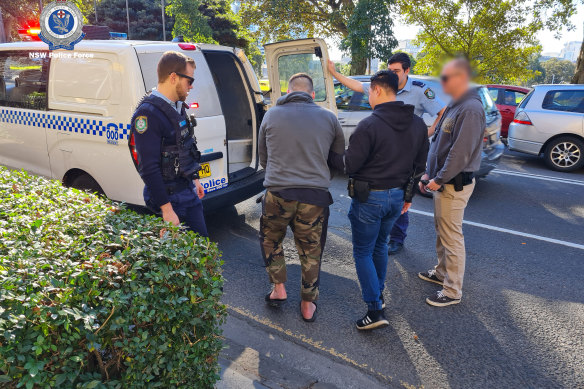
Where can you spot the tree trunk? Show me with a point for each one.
(358, 66)
(2, 32)
(579, 76)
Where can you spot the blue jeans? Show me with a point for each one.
(400, 228)
(371, 223)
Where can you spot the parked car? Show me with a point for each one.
(507, 98)
(550, 122)
(354, 106)
(67, 115)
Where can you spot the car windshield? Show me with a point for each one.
(488, 103)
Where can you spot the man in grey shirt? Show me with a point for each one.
(295, 139)
(455, 153)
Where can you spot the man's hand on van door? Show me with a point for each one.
(200, 190)
(168, 214)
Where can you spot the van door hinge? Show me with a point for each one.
(224, 142)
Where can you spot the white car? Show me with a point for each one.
(550, 122)
(66, 114)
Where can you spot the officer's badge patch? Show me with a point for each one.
(141, 124)
(430, 94)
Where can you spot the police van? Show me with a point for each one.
(66, 114)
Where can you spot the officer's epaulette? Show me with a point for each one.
(142, 99)
(418, 83)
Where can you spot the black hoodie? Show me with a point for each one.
(386, 147)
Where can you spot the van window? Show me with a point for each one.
(343, 96)
(23, 79)
(288, 65)
(564, 100)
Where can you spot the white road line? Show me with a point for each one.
(539, 177)
(512, 232)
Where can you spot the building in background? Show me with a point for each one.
(408, 46)
(571, 50)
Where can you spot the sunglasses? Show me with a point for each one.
(189, 78)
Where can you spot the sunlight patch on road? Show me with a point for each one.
(556, 332)
(427, 367)
(306, 340)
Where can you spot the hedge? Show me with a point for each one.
(91, 295)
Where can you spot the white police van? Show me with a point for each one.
(66, 114)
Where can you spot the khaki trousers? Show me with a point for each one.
(449, 208)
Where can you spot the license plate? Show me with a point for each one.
(205, 170)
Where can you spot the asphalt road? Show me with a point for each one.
(521, 320)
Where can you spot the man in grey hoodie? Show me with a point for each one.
(455, 153)
(295, 139)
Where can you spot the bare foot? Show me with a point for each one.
(279, 292)
(307, 308)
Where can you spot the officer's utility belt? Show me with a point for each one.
(358, 190)
(176, 187)
(461, 180)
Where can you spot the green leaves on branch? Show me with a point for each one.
(498, 37)
(91, 297)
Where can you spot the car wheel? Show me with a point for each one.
(565, 154)
(87, 183)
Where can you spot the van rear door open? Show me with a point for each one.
(310, 56)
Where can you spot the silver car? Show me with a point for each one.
(354, 106)
(550, 122)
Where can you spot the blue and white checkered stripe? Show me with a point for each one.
(63, 123)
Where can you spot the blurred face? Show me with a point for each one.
(398, 70)
(184, 82)
(453, 80)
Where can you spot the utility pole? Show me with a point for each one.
(95, 8)
(163, 24)
(128, 18)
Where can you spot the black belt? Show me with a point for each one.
(461, 179)
(176, 187)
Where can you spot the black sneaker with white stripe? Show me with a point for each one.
(441, 300)
(372, 320)
(430, 276)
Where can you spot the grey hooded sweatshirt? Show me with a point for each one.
(295, 138)
(456, 147)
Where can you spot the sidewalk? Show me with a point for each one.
(254, 357)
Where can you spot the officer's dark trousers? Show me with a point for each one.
(188, 207)
(399, 229)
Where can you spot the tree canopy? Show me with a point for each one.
(370, 33)
(497, 37)
(558, 71)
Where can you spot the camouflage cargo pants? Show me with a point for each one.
(309, 225)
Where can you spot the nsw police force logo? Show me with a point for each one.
(61, 25)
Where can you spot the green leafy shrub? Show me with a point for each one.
(92, 297)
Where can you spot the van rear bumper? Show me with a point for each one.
(234, 193)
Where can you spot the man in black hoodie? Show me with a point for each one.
(386, 149)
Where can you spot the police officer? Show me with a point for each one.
(168, 159)
(412, 92)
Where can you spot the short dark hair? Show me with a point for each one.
(172, 62)
(402, 58)
(301, 81)
(385, 79)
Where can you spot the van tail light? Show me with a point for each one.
(522, 118)
(133, 150)
(187, 46)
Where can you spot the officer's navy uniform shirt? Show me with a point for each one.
(149, 148)
(418, 94)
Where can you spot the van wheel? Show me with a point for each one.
(86, 183)
(565, 154)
